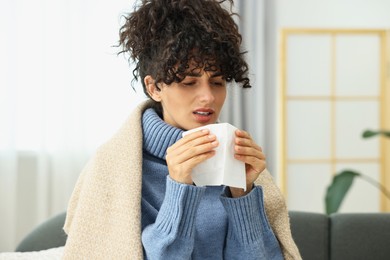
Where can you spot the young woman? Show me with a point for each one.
(136, 199)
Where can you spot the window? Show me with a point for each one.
(334, 87)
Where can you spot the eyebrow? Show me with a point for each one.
(197, 75)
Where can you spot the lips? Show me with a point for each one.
(203, 115)
(204, 111)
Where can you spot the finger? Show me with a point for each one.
(189, 138)
(242, 133)
(249, 151)
(188, 145)
(256, 163)
(247, 143)
(243, 138)
(193, 139)
(248, 159)
(195, 160)
(189, 152)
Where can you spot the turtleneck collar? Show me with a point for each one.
(158, 135)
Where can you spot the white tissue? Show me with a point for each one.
(222, 168)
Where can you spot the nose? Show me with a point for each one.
(206, 94)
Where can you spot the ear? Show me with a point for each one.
(152, 89)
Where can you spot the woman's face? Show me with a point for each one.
(194, 102)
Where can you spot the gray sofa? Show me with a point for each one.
(356, 236)
(364, 236)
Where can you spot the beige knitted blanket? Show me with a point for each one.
(104, 213)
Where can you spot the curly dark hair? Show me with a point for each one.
(162, 37)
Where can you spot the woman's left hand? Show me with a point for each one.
(247, 151)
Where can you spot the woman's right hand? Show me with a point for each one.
(188, 152)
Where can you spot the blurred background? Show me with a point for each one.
(319, 71)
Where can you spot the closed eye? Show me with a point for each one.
(218, 83)
(189, 83)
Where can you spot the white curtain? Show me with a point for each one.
(249, 109)
(63, 92)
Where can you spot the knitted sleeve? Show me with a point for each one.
(172, 235)
(249, 233)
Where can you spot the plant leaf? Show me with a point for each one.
(337, 190)
(386, 133)
(370, 133)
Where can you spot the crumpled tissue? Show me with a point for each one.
(222, 168)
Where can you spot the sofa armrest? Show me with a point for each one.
(47, 235)
(311, 234)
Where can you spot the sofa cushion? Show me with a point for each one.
(47, 235)
(311, 234)
(360, 236)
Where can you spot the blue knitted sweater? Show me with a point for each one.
(182, 221)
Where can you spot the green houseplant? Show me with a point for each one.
(342, 181)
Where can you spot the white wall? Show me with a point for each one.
(333, 13)
(63, 92)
